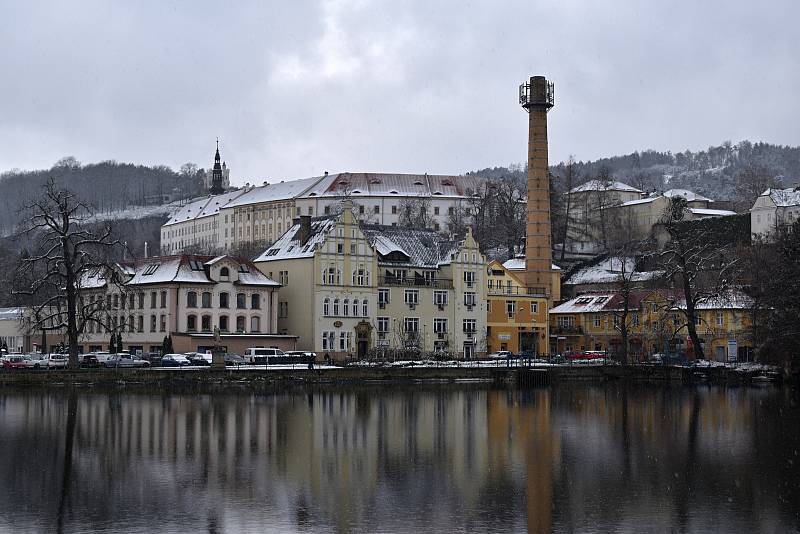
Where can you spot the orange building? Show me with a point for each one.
(517, 319)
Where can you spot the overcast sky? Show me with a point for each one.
(296, 88)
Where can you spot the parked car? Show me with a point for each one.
(501, 355)
(37, 361)
(264, 355)
(199, 360)
(125, 360)
(90, 361)
(234, 359)
(656, 358)
(174, 360)
(15, 362)
(58, 361)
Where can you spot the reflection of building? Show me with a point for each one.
(656, 323)
(350, 287)
(187, 296)
(516, 319)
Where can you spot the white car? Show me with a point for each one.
(37, 361)
(501, 355)
(58, 361)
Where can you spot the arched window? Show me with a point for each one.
(191, 323)
(205, 323)
(355, 307)
(240, 324)
(206, 299)
(191, 299)
(331, 276)
(223, 300)
(346, 307)
(365, 308)
(326, 307)
(361, 277)
(255, 301)
(255, 324)
(224, 272)
(241, 301)
(335, 307)
(223, 323)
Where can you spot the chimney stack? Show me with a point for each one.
(145, 249)
(536, 97)
(305, 229)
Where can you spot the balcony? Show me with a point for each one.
(567, 330)
(516, 291)
(439, 283)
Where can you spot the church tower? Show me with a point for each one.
(217, 186)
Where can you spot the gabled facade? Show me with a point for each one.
(773, 209)
(352, 289)
(516, 320)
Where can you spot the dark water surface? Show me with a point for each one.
(416, 459)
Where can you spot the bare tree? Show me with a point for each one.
(415, 213)
(751, 182)
(67, 251)
(698, 263)
(570, 181)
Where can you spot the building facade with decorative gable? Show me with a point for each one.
(354, 290)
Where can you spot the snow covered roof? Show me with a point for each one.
(609, 271)
(288, 245)
(690, 196)
(275, 192)
(518, 264)
(420, 248)
(586, 303)
(602, 185)
(203, 207)
(11, 314)
(703, 212)
(731, 300)
(638, 201)
(357, 184)
(191, 269)
(784, 197)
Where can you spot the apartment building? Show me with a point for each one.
(517, 319)
(351, 288)
(185, 296)
(656, 324)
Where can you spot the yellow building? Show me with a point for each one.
(655, 324)
(516, 320)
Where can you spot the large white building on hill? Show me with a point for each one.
(262, 214)
(773, 209)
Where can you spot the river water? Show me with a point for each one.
(423, 458)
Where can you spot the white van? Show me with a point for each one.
(261, 355)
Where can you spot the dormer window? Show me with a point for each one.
(151, 269)
(418, 182)
(224, 272)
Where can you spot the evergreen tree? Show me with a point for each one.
(112, 343)
(119, 342)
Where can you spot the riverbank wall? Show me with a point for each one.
(514, 376)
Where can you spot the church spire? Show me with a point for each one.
(216, 174)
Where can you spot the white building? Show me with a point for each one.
(772, 209)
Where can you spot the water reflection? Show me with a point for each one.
(428, 459)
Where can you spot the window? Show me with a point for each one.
(283, 309)
(469, 326)
(191, 323)
(635, 319)
(655, 326)
(383, 296)
(163, 299)
(440, 325)
(130, 324)
(331, 276)
(223, 300)
(567, 321)
(223, 323)
(326, 307)
(240, 324)
(241, 301)
(255, 301)
(205, 323)
(360, 277)
(152, 323)
(335, 307)
(191, 299)
(206, 299)
(719, 318)
(436, 210)
(340, 248)
(411, 325)
(440, 298)
(283, 278)
(140, 324)
(365, 308)
(116, 300)
(597, 320)
(328, 340)
(376, 209)
(361, 209)
(469, 278)
(345, 341)
(383, 325)
(511, 308)
(411, 297)
(163, 323)
(346, 307)
(534, 308)
(394, 210)
(224, 272)
(141, 301)
(355, 307)
(469, 299)
(697, 319)
(255, 324)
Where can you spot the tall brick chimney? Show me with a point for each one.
(536, 97)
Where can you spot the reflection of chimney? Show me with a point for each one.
(305, 229)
